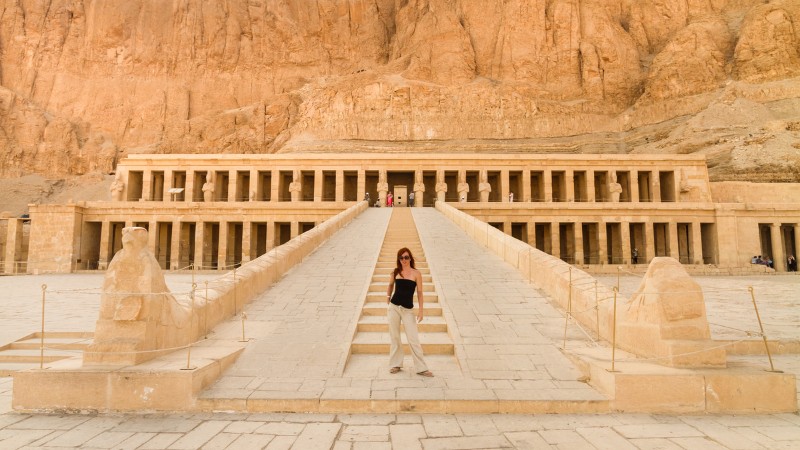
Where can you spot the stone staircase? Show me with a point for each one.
(24, 353)
(372, 333)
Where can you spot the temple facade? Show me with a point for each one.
(599, 211)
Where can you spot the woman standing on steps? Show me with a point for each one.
(400, 309)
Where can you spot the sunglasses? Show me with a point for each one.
(405, 257)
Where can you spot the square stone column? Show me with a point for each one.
(317, 186)
(188, 192)
(167, 185)
(147, 185)
(697, 243)
(673, 240)
(275, 186)
(295, 229)
(625, 233)
(233, 179)
(13, 245)
(507, 227)
(340, 186)
(591, 191)
(602, 246)
(504, 188)
(253, 188)
(199, 244)
(555, 235)
(655, 186)
(246, 241)
(634, 186)
(152, 235)
(578, 227)
(649, 242)
(105, 237)
(531, 232)
(526, 186)
(361, 185)
(175, 246)
(222, 252)
(796, 238)
(270, 235)
(779, 256)
(569, 181)
(548, 185)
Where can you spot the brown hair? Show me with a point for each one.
(399, 269)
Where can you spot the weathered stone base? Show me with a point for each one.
(646, 387)
(158, 385)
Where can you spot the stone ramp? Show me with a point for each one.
(302, 328)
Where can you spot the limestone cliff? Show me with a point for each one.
(85, 82)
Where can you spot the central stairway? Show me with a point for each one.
(372, 332)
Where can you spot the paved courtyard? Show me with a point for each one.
(483, 303)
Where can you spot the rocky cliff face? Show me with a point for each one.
(84, 82)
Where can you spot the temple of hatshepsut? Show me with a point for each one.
(281, 153)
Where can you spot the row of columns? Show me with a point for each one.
(419, 188)
(779, 257)
(625, 238)
(200, 246)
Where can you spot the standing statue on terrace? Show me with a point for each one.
(484, 187)
(441, 186)
(208, 189)
(296, 186)
(117, 187)
(614, 188)
(463, 186)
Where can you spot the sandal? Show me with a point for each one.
(426, 373)
(394, 370)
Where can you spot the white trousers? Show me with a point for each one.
(397, 315)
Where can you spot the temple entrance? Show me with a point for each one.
(400, 195)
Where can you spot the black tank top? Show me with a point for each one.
(404, 293)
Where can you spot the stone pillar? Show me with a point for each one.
(252, 189)
(697, 244)
(175, 246)
(655, 186)
(578, 243)
(361, 185)
(796, 239)
(167, 185)
(778, 256)
(591, 194)
(340, 186)
(188, 192)
(317, 186)
(199, 243)
(649, 242)
(532, 233)
(634, 186)
(507, 227)
(13, 244)
(147, 184)
(555, 235)
(295, 229)
(526, 186)
(105, 237)
(602, 245)
(548, 185)
(246, 240)
(569, 181)
(233, 178)
(673, 240)
(270, 235)
(274, 188)
(625, 232)
(222, 252)
(504, 188)
(152, 234)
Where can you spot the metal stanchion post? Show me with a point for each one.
(205, 313)
(619, 269)
(244, 317)
(596, 310)
(569, 309)
(41, 338)
(235, 300)
(614, 334)
(191, 325)
(761, 327)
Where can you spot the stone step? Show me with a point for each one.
(378, 286)
(7, 369)
(57, 344)
(381, 276)
(378, 343)
(377, 324)
(379, 309)
(28, 356)
(391, 265)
